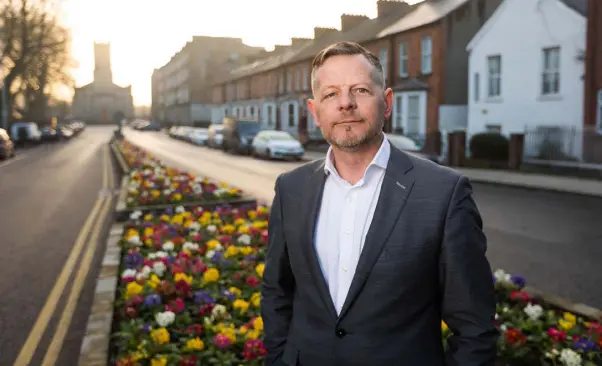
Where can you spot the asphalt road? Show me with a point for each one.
(46, 194)
(552, 239)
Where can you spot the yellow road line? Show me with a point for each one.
(56, 344)
(36, 333)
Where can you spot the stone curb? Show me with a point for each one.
(123, 166)
(494, 182)
(95, 349)
(583, 310)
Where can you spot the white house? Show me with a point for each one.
(526, 69)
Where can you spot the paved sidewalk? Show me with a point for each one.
(588, 187)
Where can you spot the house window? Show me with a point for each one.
(476, 87)
(494, 69)
(426, 47)
(281, 84)
(305, 78)
(493, 128)
(413, 114)
(291, 115)
(403, 59)
(382, 57)
(398, 122)
(251, 111)
(297, 80)
(289, 81)
(551, 71)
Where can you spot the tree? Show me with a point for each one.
(35, 57)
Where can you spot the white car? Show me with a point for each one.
(276, 145)
(199, 136)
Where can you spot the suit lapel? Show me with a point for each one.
(312, 200)
(396, 187)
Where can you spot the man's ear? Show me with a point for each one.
(311, 105)
(388, 102)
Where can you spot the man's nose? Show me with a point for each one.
(347, 101)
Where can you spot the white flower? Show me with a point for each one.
(136, 215)
(159, 268)
(220, 192)
(218, 310)
(210, 254)
(211, 228)
(180, 209)
(161, 254)
(533, 311)
(146, 271)
(168, 246)
(244, 239)
(195, 226)
(503, 327)
(568, 357)
(165, 318)
(190, 246)
(501, 276)
(135, 240)
(128, 273)
(219, 247)
(167, 192)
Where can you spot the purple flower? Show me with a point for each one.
(585, 345)
(251, 258)
(217, 257)
(228, 295)
(202, 297)
(133, 260)
(146, 328)
(518, 281)
(152, 300)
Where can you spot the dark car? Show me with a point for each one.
(411, 146)
(7, 148)
(239, 135)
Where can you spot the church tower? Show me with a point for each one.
(102, 64)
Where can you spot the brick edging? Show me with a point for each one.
(95, 349)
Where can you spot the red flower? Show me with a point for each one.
(189, 361)
(131, 312)
(253, 281)
(196, 329)
(175, 306)
(514, 337)
(183, 289)
(253, 349)
(557, 335)
(205, 309)
(519, 296)
(178, 240)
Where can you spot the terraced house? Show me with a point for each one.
(423, 51)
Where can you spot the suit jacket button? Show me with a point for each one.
(340, 333)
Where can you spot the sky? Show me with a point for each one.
(145, 34)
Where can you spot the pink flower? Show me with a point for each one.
(222, 341)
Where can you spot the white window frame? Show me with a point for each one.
(382, 57)
(297, 79)
(405, 97)
(397, 121)
(550, 77)
(284, 108)
(269, 114)
(403, 59)
(426, 53)
(493, 76)
(476, 86)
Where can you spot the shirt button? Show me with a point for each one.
(344, 269)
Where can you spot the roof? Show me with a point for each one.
(426, 13)
(580, 6)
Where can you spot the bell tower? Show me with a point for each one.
(102, 64)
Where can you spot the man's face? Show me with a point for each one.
(349, 104)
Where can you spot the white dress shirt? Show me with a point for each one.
(344, 219)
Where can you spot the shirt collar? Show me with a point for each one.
(381, 159)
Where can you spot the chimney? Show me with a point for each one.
(388, 7)
(297, 42)
(350, 21)
(320, 31)
(280, 48)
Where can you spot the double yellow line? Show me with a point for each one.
(91, 231)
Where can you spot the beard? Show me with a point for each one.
(349, 139)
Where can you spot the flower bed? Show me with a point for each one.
(189, 294)
(151, 183)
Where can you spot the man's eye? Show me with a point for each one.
(362, 90)
(329, 95)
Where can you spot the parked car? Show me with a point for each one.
(215, 137)
(239, 134)
(277, 145)
(411, 146)
(49, 134)
(23, 133)
(7, 148)
(198, 136)
(149, 126)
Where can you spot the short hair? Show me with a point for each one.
(346, 49)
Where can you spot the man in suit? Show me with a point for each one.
(370, 248)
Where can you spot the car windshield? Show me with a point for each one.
(404, 142)
(245, 127)
(280, 136)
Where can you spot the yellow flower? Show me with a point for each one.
(195, 344)
(231, 251)
(184, 277)
(148, 217)
(160, 336)
(230, 333)
(444, 326)
(212, 244)
(211, 275)
(177, 197)
(148, 242)
(243, 229)
(138, 356)
(256, 299)
(570, 317)
(262, 209)
(149, 231)
(253, 334)
(246, 250)
(239, 222)
(241, 305)
(160, 361)
(258, 323)
(233, 191)
(154, 281)
(133, 289)
(224, 185)
(252, 214)
(164, 218)
(235, 291)
(259, 269)
(177, 219)
(565, 324)
(228, 229)
(260, 225)
(131, 233)
(243, 329)
(155, 193)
